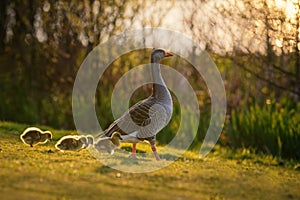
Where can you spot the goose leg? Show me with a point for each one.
(133, 153)
(155, 152)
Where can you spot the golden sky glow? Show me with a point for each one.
(288, 6)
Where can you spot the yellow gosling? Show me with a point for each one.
(108, 144)
(33, 135)
(72, 143)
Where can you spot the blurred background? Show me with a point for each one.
(255, 44)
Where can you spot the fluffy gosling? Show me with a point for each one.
(74, 142)
(108, 144)
(32, 136)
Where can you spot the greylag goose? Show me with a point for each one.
(146, 118)
(74, 142)
(33, 136)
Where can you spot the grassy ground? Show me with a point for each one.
(42, 172)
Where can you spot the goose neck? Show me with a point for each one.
(159, 87)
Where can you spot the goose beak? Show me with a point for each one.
(167, 54)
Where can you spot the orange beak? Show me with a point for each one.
(167, 54)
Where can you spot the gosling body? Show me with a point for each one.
(33, 136)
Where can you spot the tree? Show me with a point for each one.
(261, 37)
(43, 43)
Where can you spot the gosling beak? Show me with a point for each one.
(167, 54)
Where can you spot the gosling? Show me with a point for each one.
(74, 143)
(108, 144)
(32, 136)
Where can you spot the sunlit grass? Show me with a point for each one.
(42, 172)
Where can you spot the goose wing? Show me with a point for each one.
(146, 117)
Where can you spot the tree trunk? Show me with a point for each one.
(3, 5)
(297, 52)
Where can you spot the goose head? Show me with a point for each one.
(158, 54)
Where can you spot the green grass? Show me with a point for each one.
(37, 173)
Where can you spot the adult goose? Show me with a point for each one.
(146, 118)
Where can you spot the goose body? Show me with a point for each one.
(146, 118)
(32, 136)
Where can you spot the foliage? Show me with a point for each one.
(272, 128)
(42, 47)
(264, 33)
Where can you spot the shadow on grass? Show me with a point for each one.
(169, 157)
(105, 170)
(142, 154)
(144, 162)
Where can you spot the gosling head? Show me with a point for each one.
(46, 135)
(115, 139)
(90, 139)
(87, 140)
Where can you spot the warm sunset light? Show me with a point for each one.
(138, 99)
(289, 6)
